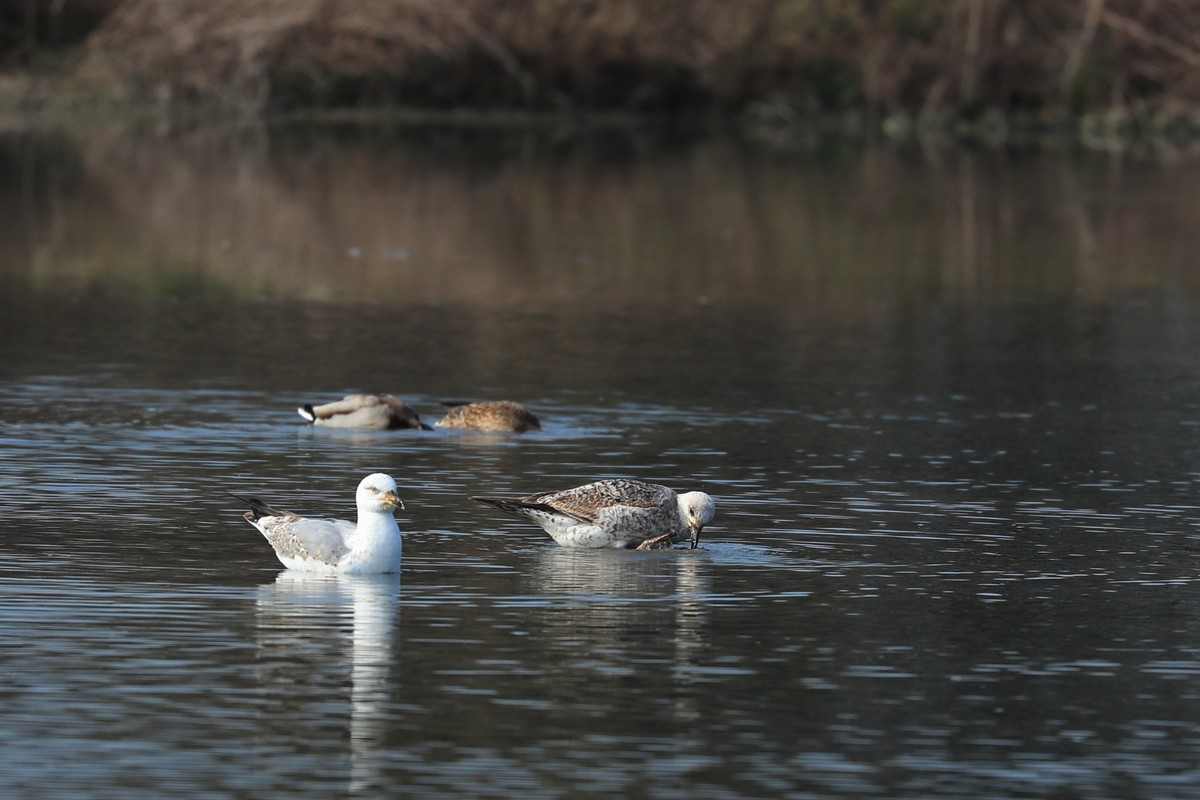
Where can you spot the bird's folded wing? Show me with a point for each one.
(321, 540)
(351, 403)
(586, 502)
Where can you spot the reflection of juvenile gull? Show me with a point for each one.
(614, 513)
(374, 411)
(499, 415)
(335, 545)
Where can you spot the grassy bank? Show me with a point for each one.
(1114, 63)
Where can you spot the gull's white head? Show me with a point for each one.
(697, 510)
(377, 493)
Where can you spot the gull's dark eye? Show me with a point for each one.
(373, 490)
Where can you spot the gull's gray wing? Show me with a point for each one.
(322, 540)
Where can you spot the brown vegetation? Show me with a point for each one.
(781, 56)
(29, 28)
(519, 220)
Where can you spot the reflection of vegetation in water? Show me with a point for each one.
(183, 282)
(399, 217)
(164, 282)
(48, 197)
(44, 182)
(34, 164)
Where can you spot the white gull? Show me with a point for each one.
(336, 546)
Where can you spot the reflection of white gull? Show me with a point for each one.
(376, 608)
(498, 415)
(372, 545)
(302, 620)
(614, 513)
(375, 411)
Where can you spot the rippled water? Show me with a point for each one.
(955, 552)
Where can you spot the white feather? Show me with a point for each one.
(372, 545)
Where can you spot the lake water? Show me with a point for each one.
(947, 401)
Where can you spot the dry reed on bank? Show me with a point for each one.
(820, 55)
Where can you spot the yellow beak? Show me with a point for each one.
(393, 500)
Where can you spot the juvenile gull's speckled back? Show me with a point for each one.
(621, 512)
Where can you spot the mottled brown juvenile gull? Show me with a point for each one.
(373, 411)
(497, 415)
(335, 546)
(614, 513)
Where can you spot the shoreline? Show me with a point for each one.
(28, 99)
(1110, 74)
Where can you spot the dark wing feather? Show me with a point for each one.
(521, 505)
(258, 508)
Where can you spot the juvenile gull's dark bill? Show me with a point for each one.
(622, 513)
(364, 411)
(336, 546)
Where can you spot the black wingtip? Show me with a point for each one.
(258, 507)
(307, 412)
(513, 505)
(502, 503)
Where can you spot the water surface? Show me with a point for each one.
(946, 403)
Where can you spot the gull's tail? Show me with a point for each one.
(511, 505)
(258, 508)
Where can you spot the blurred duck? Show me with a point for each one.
(364, 411)
(499, 415)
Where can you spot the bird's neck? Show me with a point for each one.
(373, 525)
(375, 545)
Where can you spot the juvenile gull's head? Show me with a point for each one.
(697, 510)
